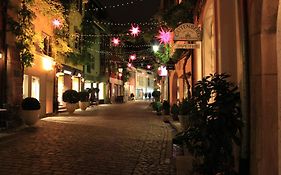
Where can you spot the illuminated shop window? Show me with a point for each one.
(25, 86)
(75, 84)
(35, 87)
(101, 92)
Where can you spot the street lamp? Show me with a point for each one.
(155, 48)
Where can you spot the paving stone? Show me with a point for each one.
(117, 139)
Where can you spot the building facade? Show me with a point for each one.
(242, 38)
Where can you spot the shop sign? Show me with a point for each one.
(187, 32)
(186, 45)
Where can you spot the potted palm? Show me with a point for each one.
(84, 100)
(71, 98)
(30, 110)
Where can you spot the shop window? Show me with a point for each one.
(25, 86)
(60, 88)
(101, 92)
(75, 84)
(35, 87)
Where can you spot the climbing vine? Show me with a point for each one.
(24, 32)
(27, 39)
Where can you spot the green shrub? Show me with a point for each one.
(30, 103)
(84, 96)
(166, 107)
(70, 96)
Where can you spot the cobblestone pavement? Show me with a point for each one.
(117, 139)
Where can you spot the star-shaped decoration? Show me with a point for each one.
(164, 36)
(133, 57)
(135, 30)
(115, 41)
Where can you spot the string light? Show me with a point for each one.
(128, 24)
(108, 6)
(133, 57)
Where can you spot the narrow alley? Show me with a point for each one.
(105, 139)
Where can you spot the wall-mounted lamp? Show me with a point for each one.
(1, 55)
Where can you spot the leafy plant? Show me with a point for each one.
(166, 107)
(84, 96)
(70, 96)
(175, 111)
(215, 124)
(30, 103)
(24, 33)
(156, 95)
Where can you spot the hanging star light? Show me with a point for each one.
(133, 57)
(135, 30)
(115, 41)
(148, 66)
(129, 64)
(164, 36)
(56, 23)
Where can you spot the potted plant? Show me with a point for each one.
(158, 106)
(166, 110)
(184, 109)
(215, 125)
(71, 98)
(175, 112)
(156, 95)
(166, 107)
(84, 100)
(30, 110)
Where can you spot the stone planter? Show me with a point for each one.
(30, 117)
(83, 105)
(184, 121)
(70, 107)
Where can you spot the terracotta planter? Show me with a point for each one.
(83, 105)
(30, 117)
(70, 107)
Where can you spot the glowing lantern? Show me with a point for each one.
(164, 36)
(129, 64)
(148, 66)
(135, 30)
(115, 41)
(133, 57)
(56, 23)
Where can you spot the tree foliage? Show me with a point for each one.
(215, 124)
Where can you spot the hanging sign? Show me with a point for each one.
(187, 32)
(185, 45)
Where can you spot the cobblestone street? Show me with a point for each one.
(112, 139)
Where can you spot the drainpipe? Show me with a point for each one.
(4, 45)
(244, 166)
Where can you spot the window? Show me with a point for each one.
(77, 42)
(25, 86)
(35, 87)
(47, 50)
(79, 5)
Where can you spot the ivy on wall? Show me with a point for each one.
(26, 38)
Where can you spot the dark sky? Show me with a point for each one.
(139, 11)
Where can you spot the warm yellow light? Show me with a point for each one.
(1, 55)
(48, 64)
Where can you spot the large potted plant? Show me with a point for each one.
(30, 110)
(215, 125)
(184, 111)
(84, 100)
(156, 95)
(175, 112)
(71, 98)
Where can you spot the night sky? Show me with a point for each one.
(139, 11)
